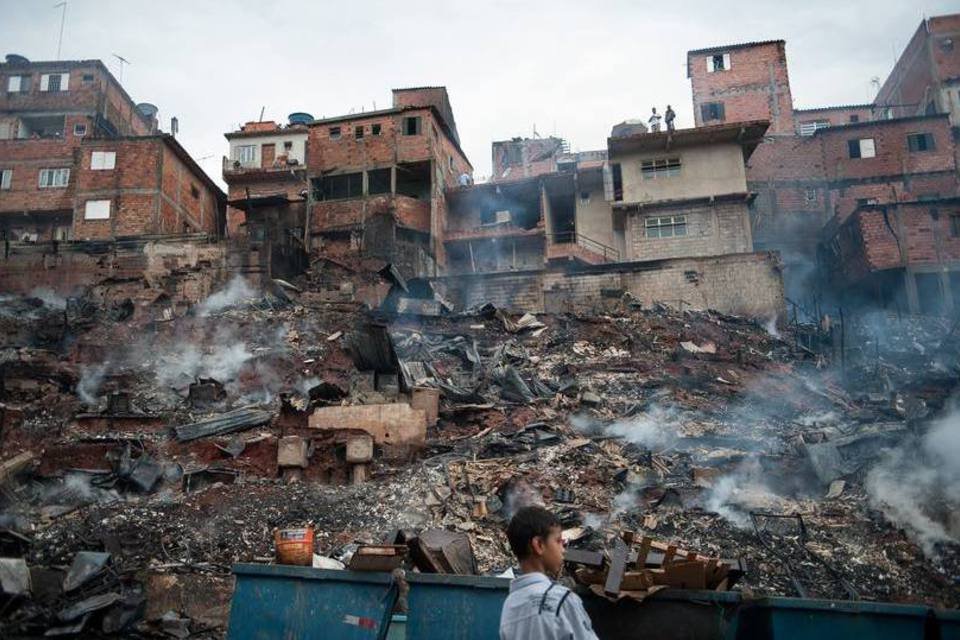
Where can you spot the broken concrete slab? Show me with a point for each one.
(395, 424)
(359, 449)
(14, 576)
(292, 452)
(85, 565)
(428, 399)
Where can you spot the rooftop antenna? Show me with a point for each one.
(63, 18)
(123, 61)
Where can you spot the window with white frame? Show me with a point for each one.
(18, 84)
(54, 177)
(862, 148)
(79, 129)
(809, 128)
(666, 226)
(54, 81)
(96, 210)
(718, 62)
(103, 160)
(6, 177)
(659, 168)
(246, 154)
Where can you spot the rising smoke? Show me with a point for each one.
(235, 292)
(917, 484)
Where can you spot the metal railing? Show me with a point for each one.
(572, 237)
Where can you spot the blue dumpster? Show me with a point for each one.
(282, 602)
(796, 618)
(455, 607)
(272, 601)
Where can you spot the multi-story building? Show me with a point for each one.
(80, 160)
(926, 78)
(378, 180)
(266, 176)
(666, 218)
(817, 166)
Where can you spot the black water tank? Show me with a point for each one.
(13, 58)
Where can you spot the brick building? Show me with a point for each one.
(926, 78)
(816, 166)
(899, 255)
(378, 181)
(266, 176)
(80, 160)
(520, 158)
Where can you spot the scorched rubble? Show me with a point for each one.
(696, 428)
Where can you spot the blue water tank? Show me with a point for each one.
(299, 118)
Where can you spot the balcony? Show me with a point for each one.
(497, 230)
(280, 167)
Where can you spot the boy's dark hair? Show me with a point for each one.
(527, 524)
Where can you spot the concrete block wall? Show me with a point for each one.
(712, 229)
(748, 284)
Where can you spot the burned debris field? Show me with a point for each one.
(163, 443)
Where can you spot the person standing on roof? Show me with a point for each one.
(539, 608)
(669, 117)
(654, 121)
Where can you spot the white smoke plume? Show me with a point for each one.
(49, 297)
(236, 291)
(91, 377)
(917, 484)
(734, 495)
(656, 429)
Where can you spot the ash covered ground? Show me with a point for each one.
(833, 475)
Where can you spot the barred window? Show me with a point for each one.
(666, 226)
(660, 168)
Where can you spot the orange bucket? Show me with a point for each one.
(294, 546)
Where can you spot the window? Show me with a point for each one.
(718, 62)
(666, 226)
(585, 196)
(854, 118)
(375, 129)
(103, 160)
(348, 185)
(862, 148)
(287, 145)
(18, 84)
(54, 177)
(54, 81)
(955, 225)
(246, 154)
(865, 202)
(358, 133)
(920, 142)
(6, 177)
(711, 111)
(97, 210)
(378, 181)
(809, 128)
(660, 168)
(334, 133)
(194, 192)
(80, 130)
(450, 163)
(87, 78)
(6, 131)
(411, 126)
(810, 196)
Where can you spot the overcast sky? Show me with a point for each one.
(572, 68)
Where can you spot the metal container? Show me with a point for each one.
(274, 602)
